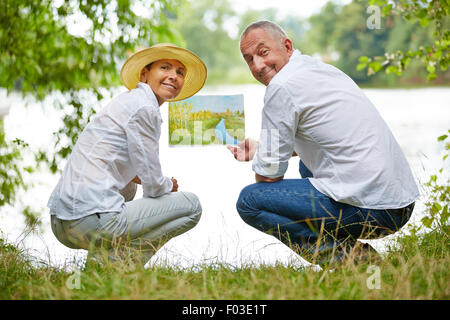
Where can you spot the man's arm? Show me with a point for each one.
(260, 178)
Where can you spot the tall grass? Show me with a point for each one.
(417, 267)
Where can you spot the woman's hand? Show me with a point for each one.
(136, 180)
(175, 184)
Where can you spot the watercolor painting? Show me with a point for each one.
(207, 120)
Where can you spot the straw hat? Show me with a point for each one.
(195, 68)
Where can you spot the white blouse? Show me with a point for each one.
(121, 142)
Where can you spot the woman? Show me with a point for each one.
(91, 205)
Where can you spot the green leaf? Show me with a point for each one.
(361, 66)
(442, 138)
(364, 59)
(431, 68)
(435, 208)
(431, 76)
(387, 10)
(424, 22)
(391, 69)
(427, 221)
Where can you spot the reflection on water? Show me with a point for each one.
(416, 117)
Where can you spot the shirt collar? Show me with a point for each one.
(296, 54)
(148, 92)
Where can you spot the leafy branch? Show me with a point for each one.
(433, 57)
(438, 203)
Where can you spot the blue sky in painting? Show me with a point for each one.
(217, 103)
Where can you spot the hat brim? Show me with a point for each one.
(195, 76)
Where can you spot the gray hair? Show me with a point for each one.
(273, 29)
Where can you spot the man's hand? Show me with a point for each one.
(245, 151)
(175, 185)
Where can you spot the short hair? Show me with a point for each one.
(273, 29)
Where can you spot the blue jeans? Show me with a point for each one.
(314, 225)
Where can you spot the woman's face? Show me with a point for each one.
(165, 77)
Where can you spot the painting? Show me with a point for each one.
(207, 120)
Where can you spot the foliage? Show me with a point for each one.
(49, 46)
(434, 55)
(11, 169)
(417, 268)
(204, 25)
(41, 52)
(439, 199)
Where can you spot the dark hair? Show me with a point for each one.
(149, 66)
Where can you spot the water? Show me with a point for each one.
(416, 117)
(223, 135)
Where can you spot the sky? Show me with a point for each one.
(217, 103)
(79, 26)
(300, 8)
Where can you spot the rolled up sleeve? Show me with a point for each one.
(143, 133)
(276, 143)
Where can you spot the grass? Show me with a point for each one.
(236, 127)
(417, 268)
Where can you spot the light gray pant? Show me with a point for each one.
(143, 225)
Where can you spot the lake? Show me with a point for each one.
(416, 117)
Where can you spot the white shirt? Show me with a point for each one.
(318, 111)
(120, 143)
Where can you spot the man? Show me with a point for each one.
(91, 207)
(356, 182)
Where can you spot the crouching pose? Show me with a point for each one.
(91, 207)
(355, 180)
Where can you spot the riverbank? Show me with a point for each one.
(416, 117)
(415, 268)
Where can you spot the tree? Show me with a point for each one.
(433, 56)
(42, 51)
(320, 37)
(204, 27)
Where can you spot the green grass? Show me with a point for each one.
(236, 127)
(418, 268)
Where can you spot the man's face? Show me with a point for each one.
(264, 55)
(165, 77)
